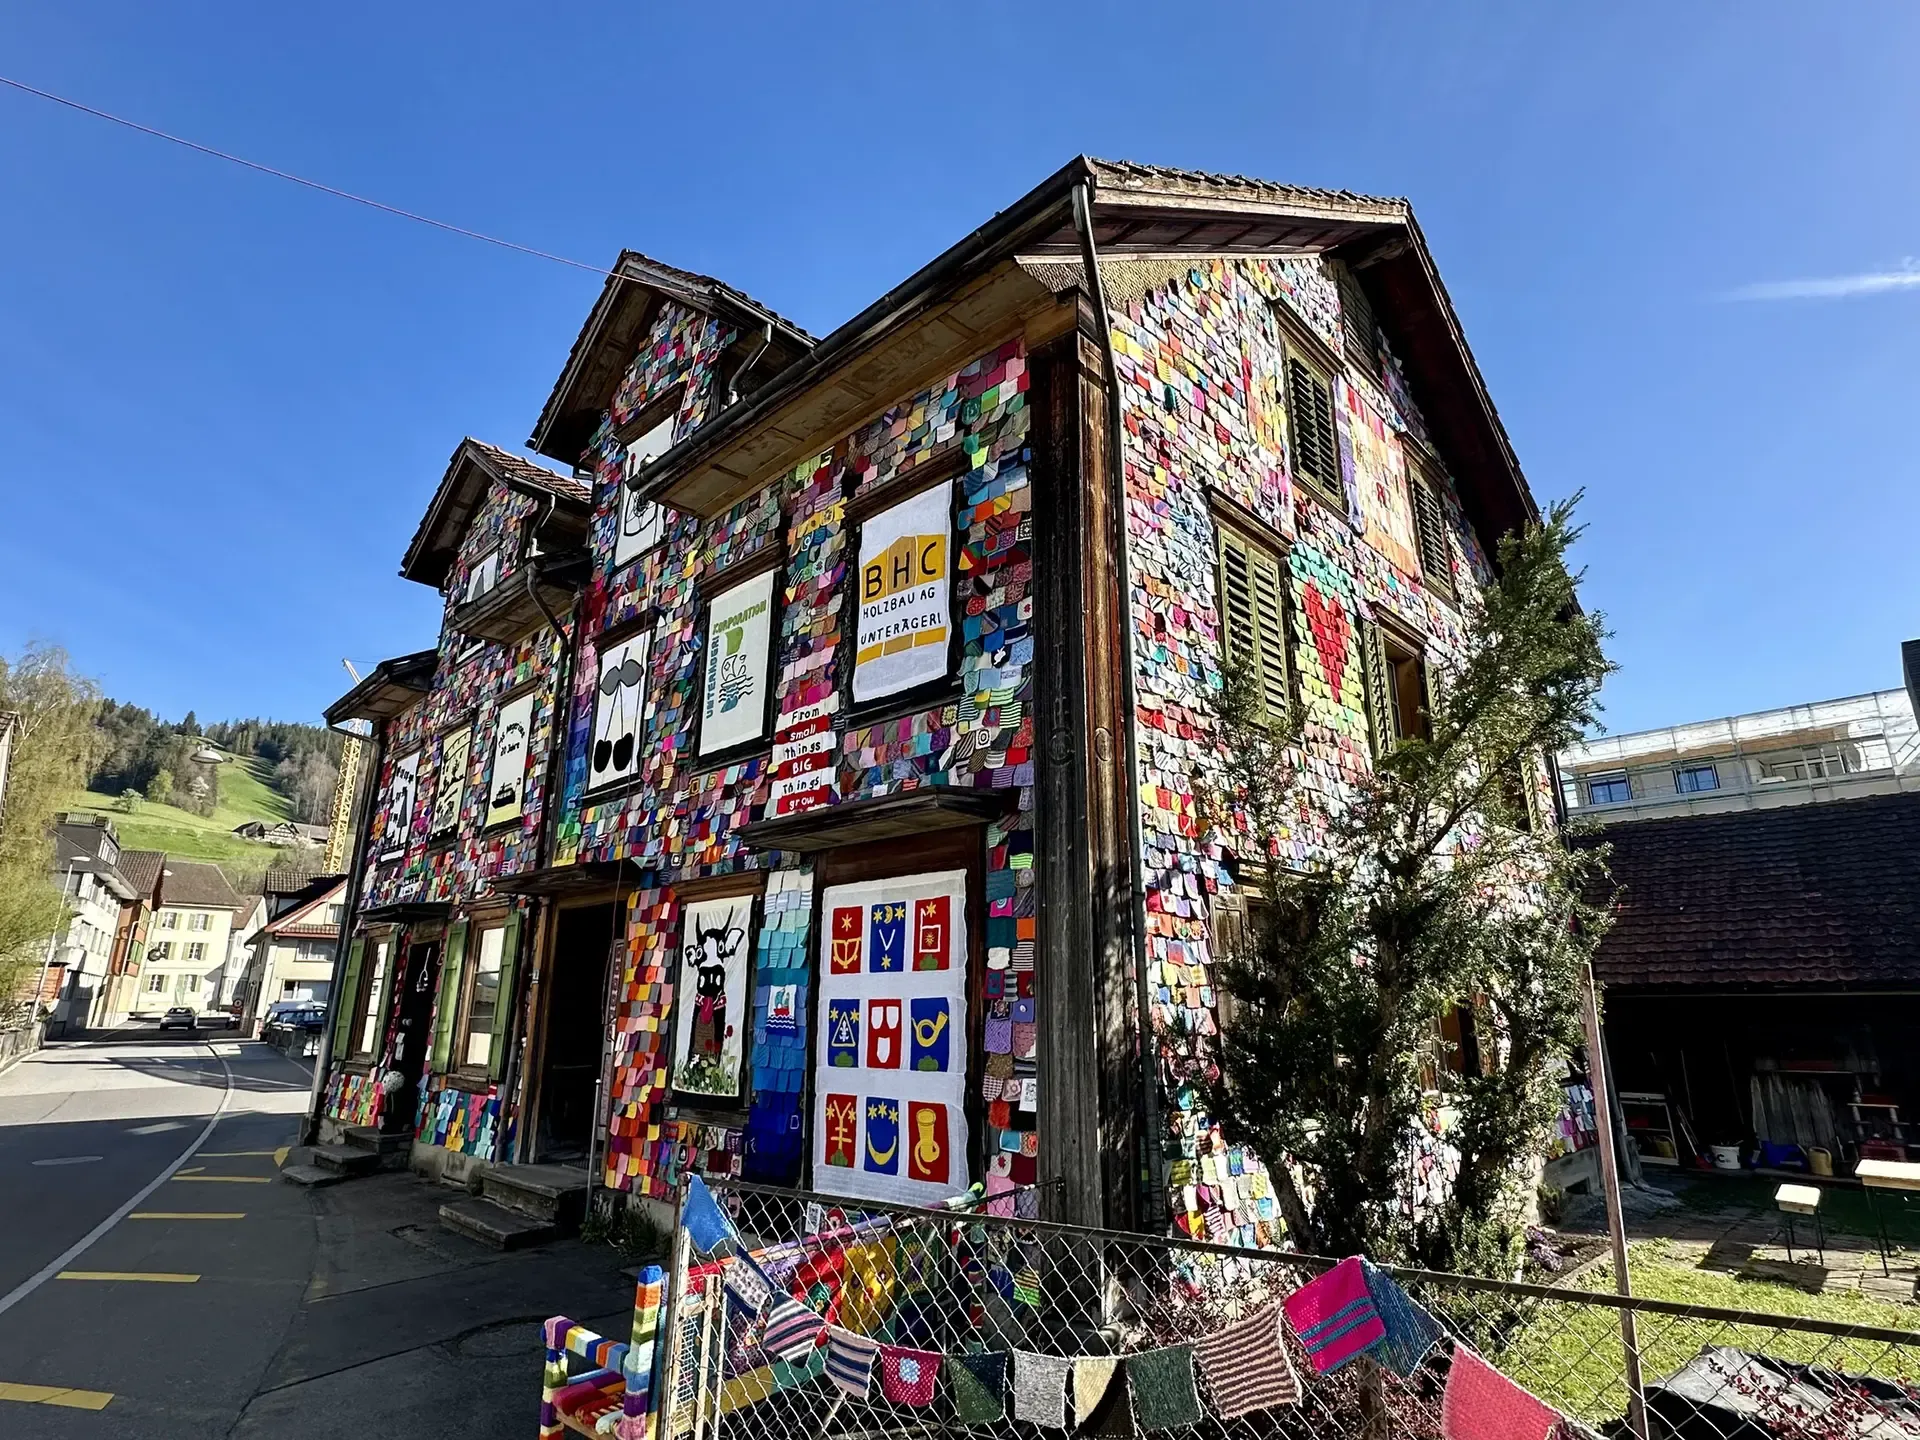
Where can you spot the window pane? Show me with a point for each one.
(484, 998)
(370, 1026)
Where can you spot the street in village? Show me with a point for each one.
(157, 1279)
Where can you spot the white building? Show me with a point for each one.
(188, 939)
(86, 859)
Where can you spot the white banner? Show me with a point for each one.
(450, 781)
(890, 1060)
(507, 781)
(711, 1013)
(403, 789)
(739, 629)
(906, 581)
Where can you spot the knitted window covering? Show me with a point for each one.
(1482, 1404)
(1040, 1388)
(850, 1360)
(1161, 1383)
(979, 1385)
(792, 1330)
(1334, 1316)
(1092, 1375)
(1411, 1331)
(1246, 1366)
(909, 1377)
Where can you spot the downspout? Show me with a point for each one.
(323, 1061)
(733, 385)
(1151, 1138)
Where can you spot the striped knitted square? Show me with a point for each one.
(1334, 1316)
(1411, 1331)
(1246, 1366)
(1040, 1388)
(979, 1385)
(792, 1330)
(909, 1377)
(1161, 1383)
(850, 1360)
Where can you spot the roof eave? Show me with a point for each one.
(389, 689)
(431, 553)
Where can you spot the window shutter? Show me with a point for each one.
(1379, 689)
(503, 1006)
(1270, 620)
(343, 1003)
(1253, 616)
(1430, 528)
(452, 961)
(1239, 638)
(1357, 325)
(1316, 454)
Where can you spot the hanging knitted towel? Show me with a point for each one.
(1092, 1374)
(792, 1330)
(979, 1385)
(909, 1377)
(1482, 1404)
(1161, 1382)
(1411, 1331)
(1334, 1316)
(1246, 1366)
(1040, 1388)
(746, 1286)
(850, 1360)
(704, 1223)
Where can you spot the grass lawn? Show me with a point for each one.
(1570, 1355)
(244, 796)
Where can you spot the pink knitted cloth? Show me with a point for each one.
(1334, 1316)
(1482, 1404)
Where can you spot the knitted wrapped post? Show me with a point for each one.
(1483, 1404)
(909, 1377)
(792, 1330)
(1246, 1366)
(850, 1360)
(1040, 1388)
(1092, 1375)
(1161, 1383)
(1411, 1331)
(979, 1385)
(1334, 1316)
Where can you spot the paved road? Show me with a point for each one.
(345, 1312)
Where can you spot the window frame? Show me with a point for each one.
(1608, 778)
(1329, 491)
(459, 1067)
(771, 560)
(642, 628)
(1387, 688)
(1680, 787)
(662, 411)
(1432, 535)
(368, 1009)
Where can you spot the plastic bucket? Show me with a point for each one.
(1725, 1157)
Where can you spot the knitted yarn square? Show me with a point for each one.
(909, 1377)
(1483, 1404)
(1334, 1316)
(792, 1330)
(1092, 1375)
(1040, 1388)
(746, 1286)
(1161, 1383)
(700, 1217)
(850, 1360)
(979, 1385)
(1411, 1331)
(1246, 1366)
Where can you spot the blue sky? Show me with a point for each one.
(224, 401)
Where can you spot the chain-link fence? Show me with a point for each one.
(946, 1284)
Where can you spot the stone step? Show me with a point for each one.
(311, 1177)
(346, 1160)
(553, 1193)
(380, 1142)
(496, 1225)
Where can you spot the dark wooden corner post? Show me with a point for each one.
(1088, 1066)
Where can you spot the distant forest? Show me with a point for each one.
(157, 758)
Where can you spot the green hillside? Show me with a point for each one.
(244, 796)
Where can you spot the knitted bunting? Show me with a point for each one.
(1092, 1374)
(792, 1331)
(1411, 1331)
(850, 1360)
(979, 1385)
(1161, 1383)
(746, 1286)
(1040, 1388)
(1334, 1316)
(702, 1220)
(1246, 1367)
(909, 1377)
(1482, 1404)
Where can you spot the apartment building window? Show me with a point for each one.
(162, 951)
(375, 998)
(1396, 688)
(1829, 762)
(475, 1041)
(484, 575)
(156, 985)
(196, 951)
(334, 912)
(1609, 789)
(1253, 615)
(1316, 453)
(169, 919)
(1692, 779)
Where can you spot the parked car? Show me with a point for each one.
(180, 1017)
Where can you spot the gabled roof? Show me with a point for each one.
(389, 689)
(608, 341)
(141, 869)
(1795, 897)
(307, 918)
(975, 294)
(473, 468)
(194, 885)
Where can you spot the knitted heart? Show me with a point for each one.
(1328, 621)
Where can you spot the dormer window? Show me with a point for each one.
(642, 523)
(484, 575)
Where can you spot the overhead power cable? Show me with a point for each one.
(300, 179)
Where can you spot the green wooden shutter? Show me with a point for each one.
(1239, 641)
(1430, 528)
(1270, 618)
(452, 960)
(1357, 326)
(503, 1007)
(1316, 454)
(343, 1005)
(1379, 689)
(1253, 614)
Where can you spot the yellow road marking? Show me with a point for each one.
(188, 1215)
(158, 1277)
(54, 1395)
(228, 1179)
(280, 1155)
(191, 1170)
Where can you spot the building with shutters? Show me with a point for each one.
(866, 850)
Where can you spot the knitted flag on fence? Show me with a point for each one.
(1246, 1366)
(702, 1220)
(979, 1385)
(909, 1377)
(1161, 1383)
(792, 1331)
(1092, 1375)
(850, 1360)
(746, 1286)
(1411, 1331)
(1483, 1404)
(1334, 1316)
(1040, 1388)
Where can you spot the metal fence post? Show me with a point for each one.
(1616, 1221)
